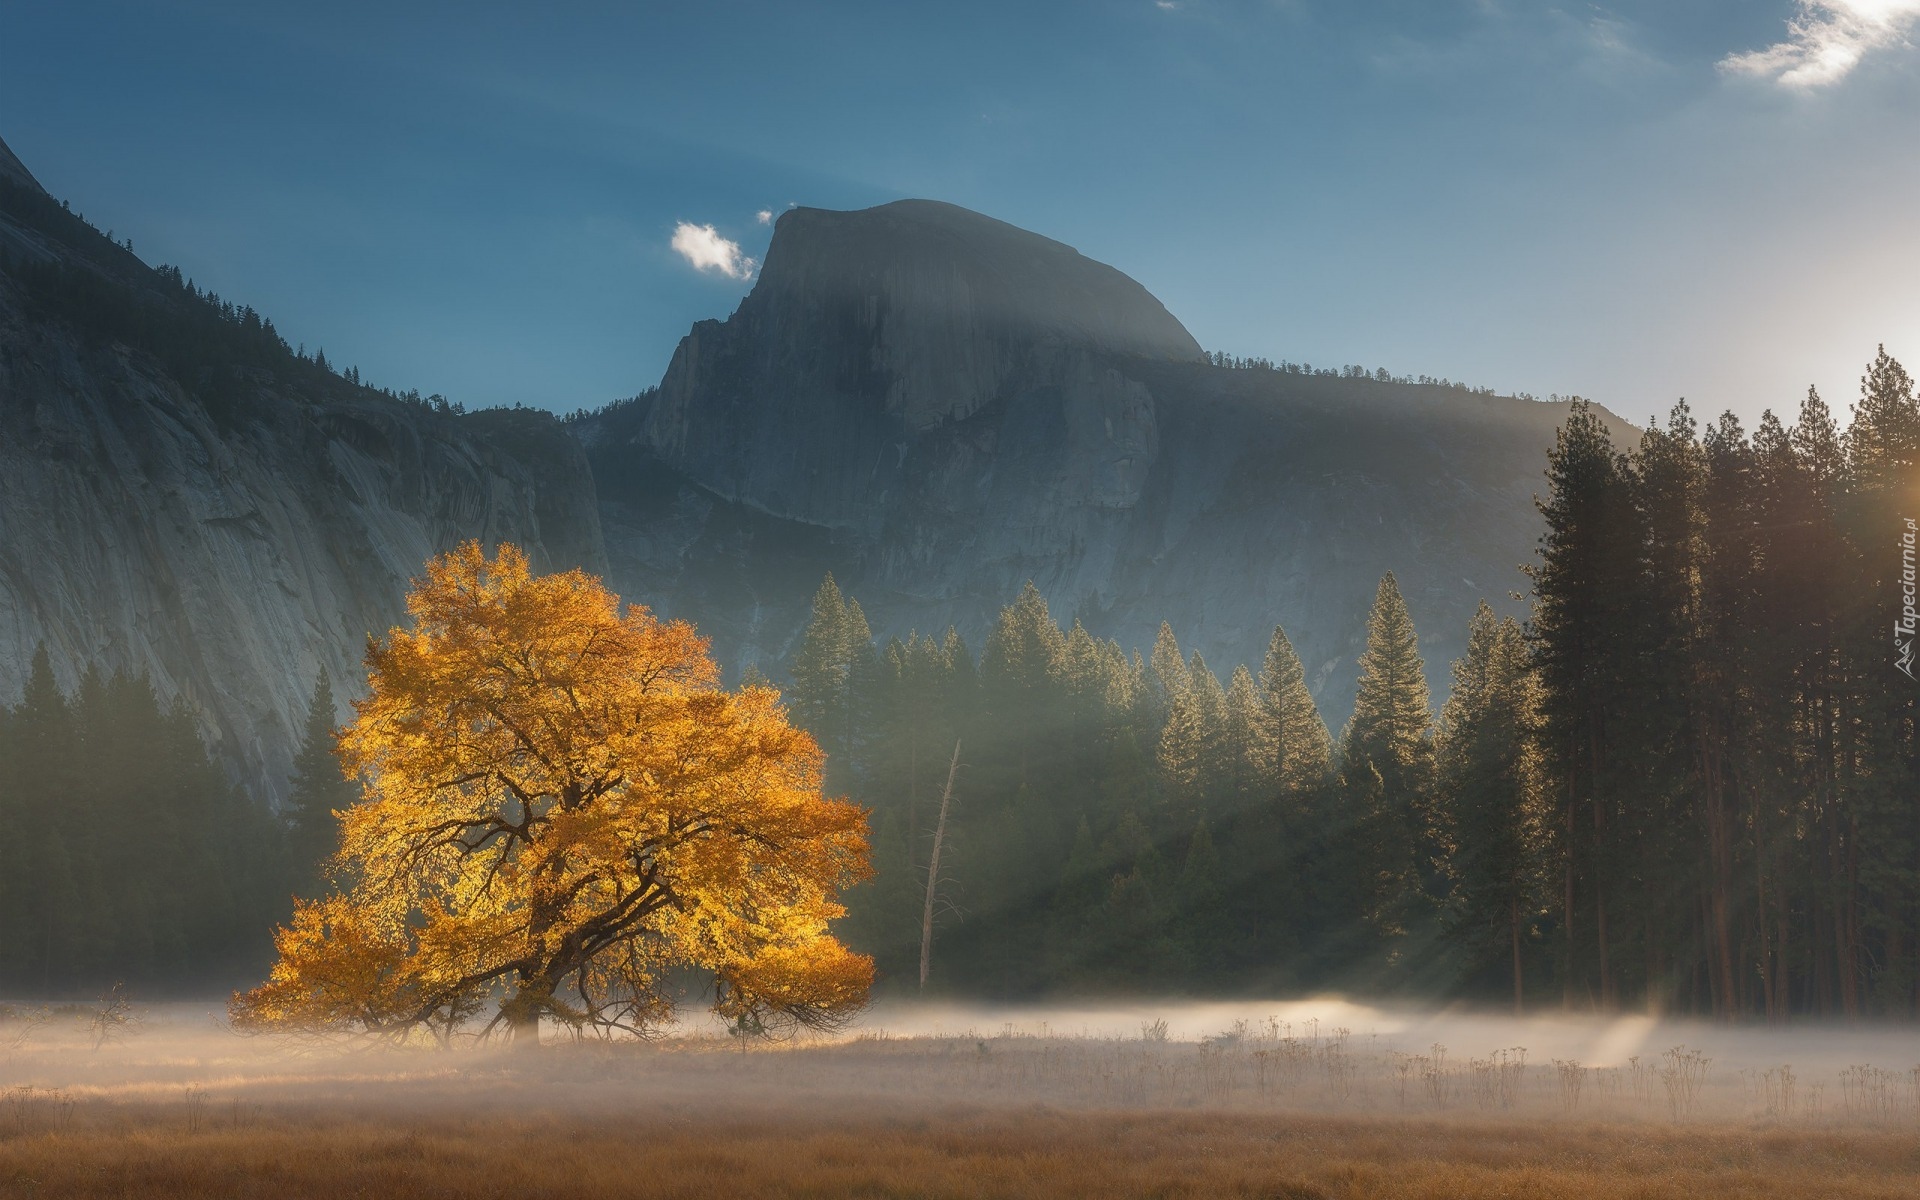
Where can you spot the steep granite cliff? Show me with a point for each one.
(180, 496)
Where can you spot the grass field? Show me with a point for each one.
(931, 1151)
(176, 1107)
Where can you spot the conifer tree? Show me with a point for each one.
(819, 667)
(1166, 675)
(1582, 621)
(1387, 767)
(1022, 670)
(1725, 707)
(1209, 701)
(319, 789)
(1673, 799)
(1883, 500)
(1181, 755)
(1025, 653)
(833, 671)
(1247, 767)
(1490, 794)
(1294, 737)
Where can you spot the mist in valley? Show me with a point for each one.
(182, 1063)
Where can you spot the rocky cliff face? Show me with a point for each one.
(231, 533)
(934, 405)
(871, 332)
(939, 407)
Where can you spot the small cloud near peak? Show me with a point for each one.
(764, 216)
(705, 250)
(1826, 39)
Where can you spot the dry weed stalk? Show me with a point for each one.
(1683, 1073)
(1572, 1077)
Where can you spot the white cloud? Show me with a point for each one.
(704, 248)
(764, 216)
(1827, 39)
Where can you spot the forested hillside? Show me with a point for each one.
(1688, 783)
(188, 497)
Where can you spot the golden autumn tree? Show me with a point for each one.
(560, 806)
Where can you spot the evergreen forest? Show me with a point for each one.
(130, 857)
(1688, 782)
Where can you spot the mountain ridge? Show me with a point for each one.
(1047, 450)
(183, 497)
(935, 405)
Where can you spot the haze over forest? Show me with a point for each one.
(1684, 784)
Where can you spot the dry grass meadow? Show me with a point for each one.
(174, 1106)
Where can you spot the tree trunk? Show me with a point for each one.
(1720, 887)
(1762, 918)
(933, 870)
(1603, 951)
(913, 790)
(524, 1024)
(1513, 920)
(1608, 1000)
(1566, 903)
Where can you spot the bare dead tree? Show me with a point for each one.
(933, 869)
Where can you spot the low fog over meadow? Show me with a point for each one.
(1302, 1098)
(1319, 1055)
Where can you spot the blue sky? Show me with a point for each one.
(1632, 201)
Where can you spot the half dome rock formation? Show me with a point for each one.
(870, 332)
(941, 406)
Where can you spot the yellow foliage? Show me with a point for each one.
(560, 805)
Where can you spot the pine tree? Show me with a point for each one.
(1026, 652)
(1209, 701)
(319, 789)
(1582, 632)
(1673, 807)
(1295, 737)
(1883, 474)
(833, 671)
(1181, 756)
(1726, 705)
(1166, 676)
(819, 664)
(1490, 793)
(1248, 751)
(1387, 767)
(1022, 680)
(1822, 583)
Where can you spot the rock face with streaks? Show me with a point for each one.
(232, 533)
(871, 333)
